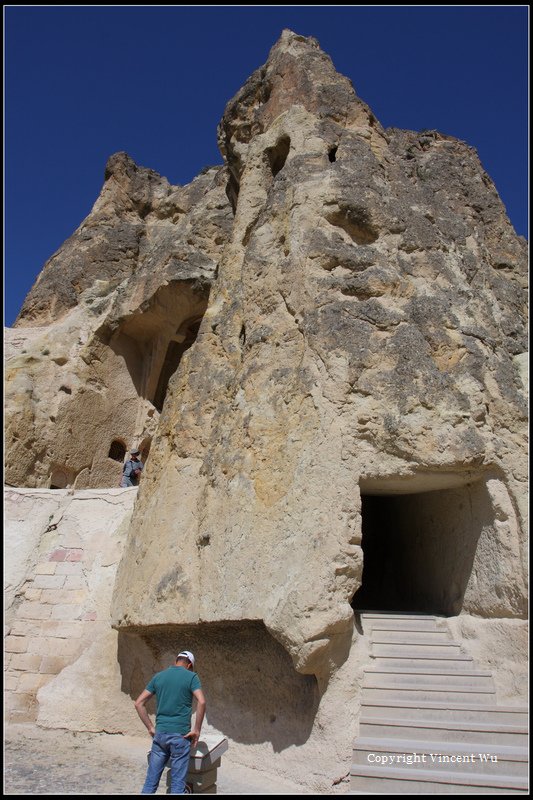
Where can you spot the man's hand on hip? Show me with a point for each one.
(193, 736)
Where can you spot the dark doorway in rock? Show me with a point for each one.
(418, 549)
(277, 155)
(184, 338)
(117, 450)
(61, 478)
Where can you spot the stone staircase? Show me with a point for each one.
(430, 722)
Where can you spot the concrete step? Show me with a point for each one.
(411, 755)
(195, 770)
(410, 637)
(444, 731)
(374, 779)
(440, 693)
(457, 663)
(370, 625)
(416, 678)
(371, 615)
(414, 649)
(418, 710)
(377, 667)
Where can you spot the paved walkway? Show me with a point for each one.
(45, 761)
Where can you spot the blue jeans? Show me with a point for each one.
(165, 746)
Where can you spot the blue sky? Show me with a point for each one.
(83, 83)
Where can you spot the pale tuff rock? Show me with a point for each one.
(499, 645)
(88, 359)
(362, 330)
(139, 227)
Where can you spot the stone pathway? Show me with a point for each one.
(44, 761)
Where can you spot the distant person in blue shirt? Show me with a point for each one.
(131, 471)
(173, 737)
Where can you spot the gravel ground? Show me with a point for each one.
(44, 761)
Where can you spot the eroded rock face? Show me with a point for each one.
(104, 327)
(364, 338)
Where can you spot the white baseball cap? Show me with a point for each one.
(186, 654)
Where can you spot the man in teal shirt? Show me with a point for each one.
(172, 736)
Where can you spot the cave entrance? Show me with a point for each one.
(152, 341)
(419, 549)
(184, 337)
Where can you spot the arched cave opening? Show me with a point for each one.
(152, 342)
(61, 477)
(277, 155)
(185, 336)
(232, 192)
(117, 450)
(419, 549)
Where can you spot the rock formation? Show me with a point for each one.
(324, 342)
(360, 340)
(106, 323)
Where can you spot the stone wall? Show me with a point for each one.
(62, 550)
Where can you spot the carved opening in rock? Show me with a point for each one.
(232, 192)
(117, 451)
(61, 478)
(152, 342)
(266, 91)
(332, 155)
(277, 155)
(278, 712)
(419, 548)
(185, 336)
